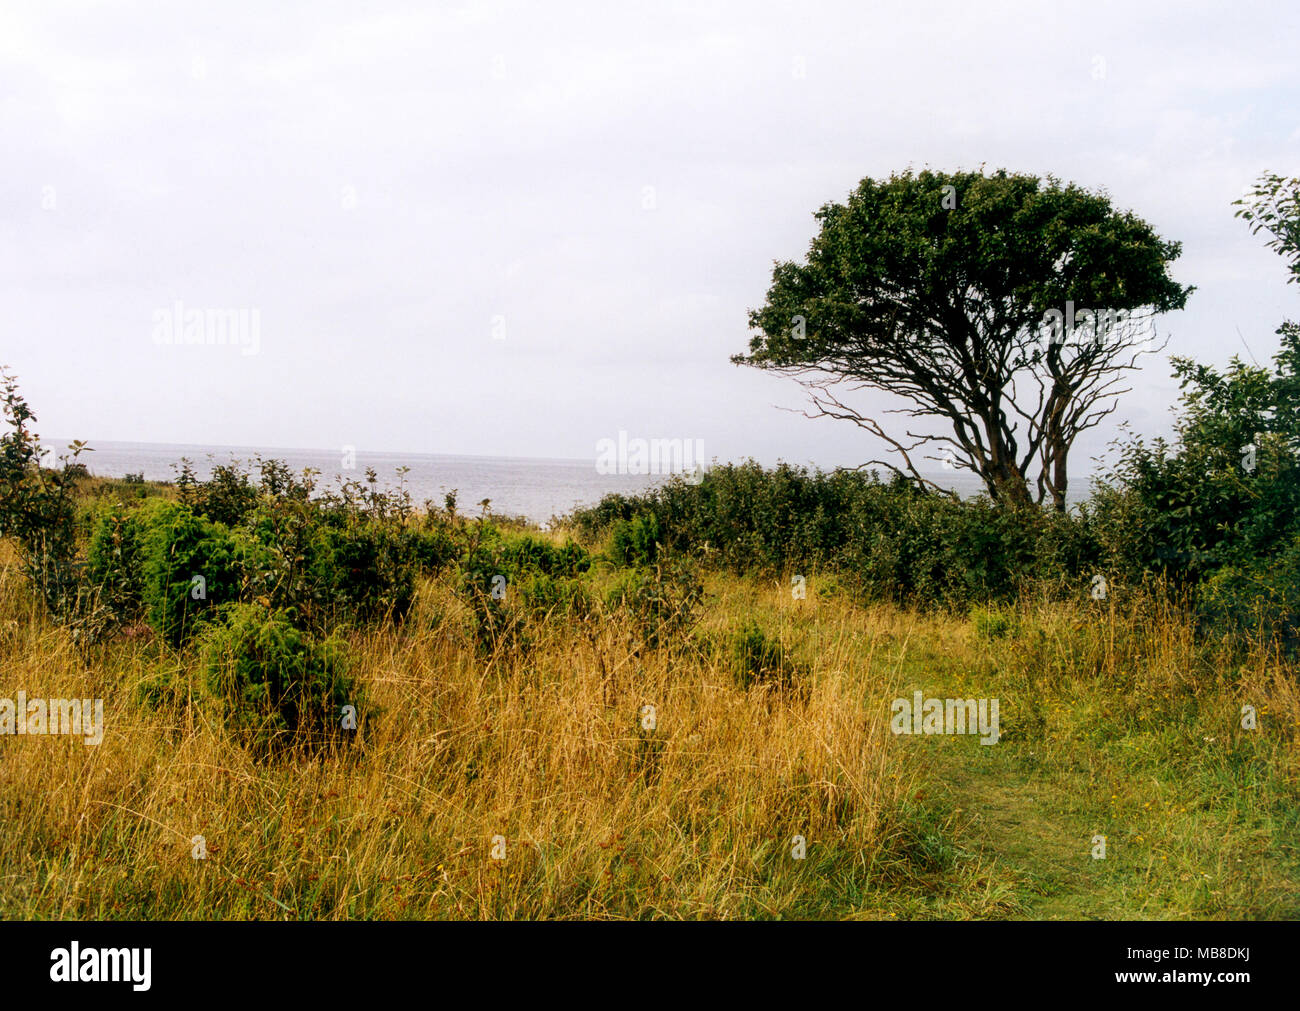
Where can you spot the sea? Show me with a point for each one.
(537, 489)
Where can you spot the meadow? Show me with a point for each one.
(330, 703)
(518, 771)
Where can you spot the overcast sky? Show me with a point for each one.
(517, 228)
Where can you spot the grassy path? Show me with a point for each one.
(1015, 824)
(1112, 724)
(1197, 825)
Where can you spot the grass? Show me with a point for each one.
(1115, 722)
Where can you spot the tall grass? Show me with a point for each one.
(545, 747)
(600, 816)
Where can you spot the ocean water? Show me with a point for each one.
(537, 489)
(534, 488)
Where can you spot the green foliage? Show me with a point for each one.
(345, 558)
(993, 623)
(37, 509)
(546, 596)
(1228, 491)
(229, 495)
(433, 548)
(888, 541)
(663, 601)
(635, 541)
(591, 522)
(515, 555)
(1273, 205)
(1219, 511)
(365, 569)
(115, 560)
(1004, 234)
(933, 287)
(191, 565)
(493, 626)
(523, 553)
(499, 566)
(759, 659)
(1256, 598)
(276, 683)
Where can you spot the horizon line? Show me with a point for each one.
(488, 456)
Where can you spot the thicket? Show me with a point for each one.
(1213, 518)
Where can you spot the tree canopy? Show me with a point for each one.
(1009, 306)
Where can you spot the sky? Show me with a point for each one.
(516, 229)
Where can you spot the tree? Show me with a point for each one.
(1221, 507)
(1008, 306)
(37, 508)
(1228, 489)
(1273, 204)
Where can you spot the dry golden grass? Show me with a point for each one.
(600, 816)
(1111, 712)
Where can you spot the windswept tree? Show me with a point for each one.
(1007, 306)
(1272, 204)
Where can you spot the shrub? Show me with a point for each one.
(992, 623)
(191, 564)
(663, 602)
(494, 626)
(1228, 491)
(37, 509)
(228, 495)
(365, 570)
(115, 560)
(593, 521)
(554, 596)
(517, 559)
(1257, 599)
(890, 540)
(520, 554)
(635, 541)
(276, 684)
(757, 659)
(432, 549)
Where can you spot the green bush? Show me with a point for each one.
(497, 566)
(889, 540)
(494, 626)
(546, 596)
(364, 570)
(757, 659)
(115, 560)
(592, 522)
(1257, 599)
(663, 602)
(1227, 492)
(38, 510)
(992, 623)
(276, 684)
(432, 549)
(520, 554)
(191, 565)
(228, 496)
(635, 541)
